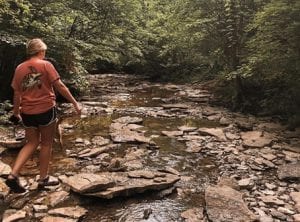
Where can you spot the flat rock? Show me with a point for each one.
(193, 215)
(187, 128)
(256, 139)
(126, 186)
(296, 217)
(96, 151)
(194, 146)
(58, 219)
(177, 105)
(216, 132)
(72, 212)
(128, 120)
(56, 198)
(272, 200)
(13, 215)
(141, 174)
(224, 204)
(88, 182)
(289, 171)
(12, 143)
(172, 134)
(122, 134)
(4, 169)
(229, 182)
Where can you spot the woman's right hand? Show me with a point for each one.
(77, 108)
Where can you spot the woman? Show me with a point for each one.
(34, 103)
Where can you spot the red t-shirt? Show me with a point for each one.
(34, 79)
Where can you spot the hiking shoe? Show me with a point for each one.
(46, 182)
(14, 184)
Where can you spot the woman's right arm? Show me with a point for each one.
(65, 92)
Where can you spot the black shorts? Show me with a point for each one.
(42, 119)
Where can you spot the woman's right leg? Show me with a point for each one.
(32, 136)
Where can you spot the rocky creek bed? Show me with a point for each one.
(158, 152)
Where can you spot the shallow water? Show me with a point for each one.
(196, 170)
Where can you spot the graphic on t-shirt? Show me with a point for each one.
(32, 79)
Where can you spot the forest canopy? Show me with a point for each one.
(250, 48)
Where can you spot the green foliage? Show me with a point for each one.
(250, 46)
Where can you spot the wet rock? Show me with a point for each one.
(56, 198)
(126, 186)
(13, 215)
(4, 169)
(226, 204)
(216, 132)
(4, 190)
(172, 134)
(170, 170)
(187, 128)
(193, 215)
(122, 134)
(58, 219)
(128, 120)
(289, 171)
(96, 151)
(72, 212)
(85, 182)
(12, 144)
(256, 139)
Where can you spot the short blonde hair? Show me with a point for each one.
(34, 46)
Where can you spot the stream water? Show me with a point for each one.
(197, 170)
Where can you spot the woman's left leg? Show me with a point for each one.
(47, 136)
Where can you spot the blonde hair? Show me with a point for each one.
(34, 46)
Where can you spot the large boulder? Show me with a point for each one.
(224, 204)
(108, 185)
(86, 182)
